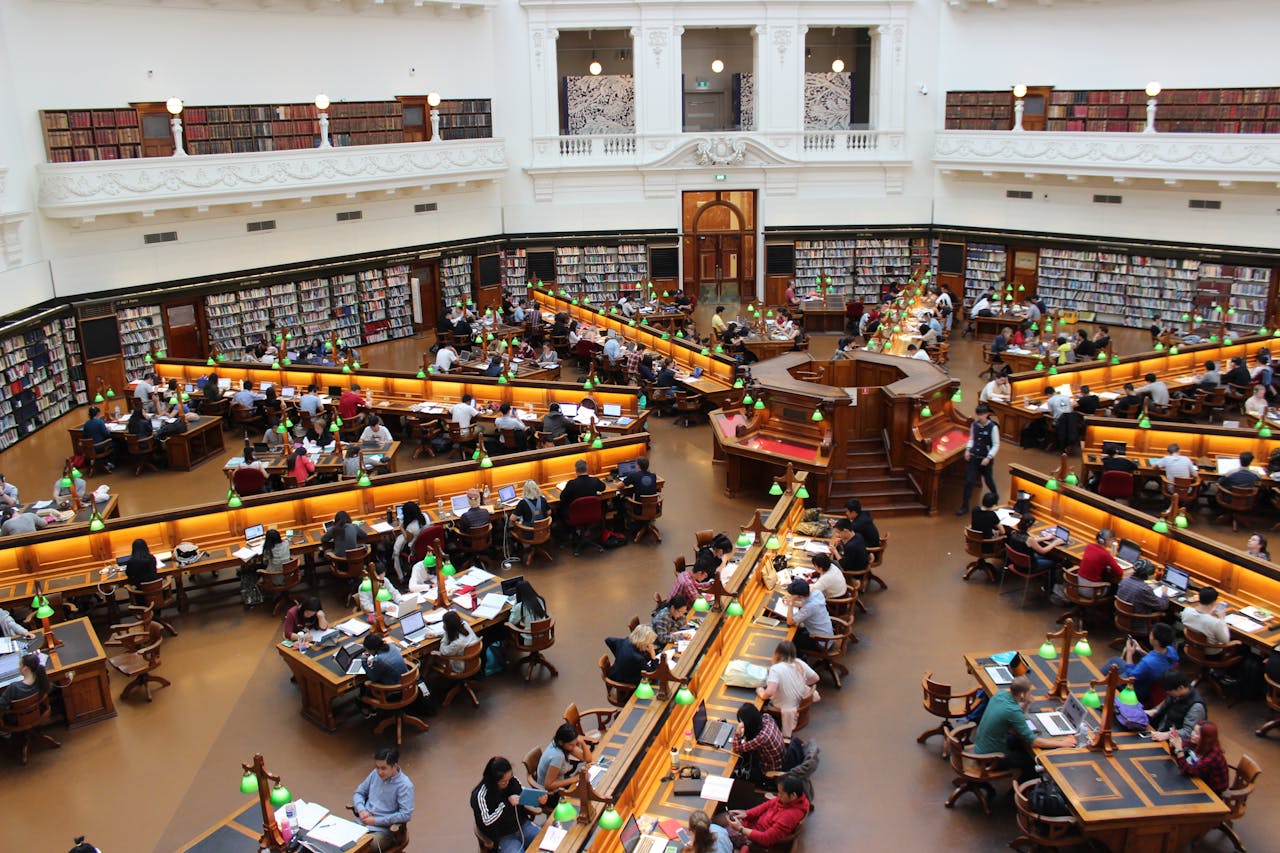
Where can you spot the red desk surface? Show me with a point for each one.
(951, 440)
(782, 447)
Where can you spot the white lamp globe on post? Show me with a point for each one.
(1019, 92)
(322, 104)
(433, 101)
(1153, 90)
(174, 106)
(837, 65)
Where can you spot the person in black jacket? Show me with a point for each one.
(863, 523)
(583, 485)
(984, 518)
(667, 375)
(141, 566)
(1238, 374)
(851, 550)
(495, 804)
(634, 655)
(643, 482)
(1111, 461)
(96, 429)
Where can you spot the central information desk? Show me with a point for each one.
(75, 561)
(1243, 581)
(1025, 403)
(874, 409)
(1135, 800)
(637, 745)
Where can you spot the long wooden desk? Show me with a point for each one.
(1133, 801)
(240, 831)
(986, 328)
(326, 463)
(72, 560)
(1110, 376)
(1202, 441)
(1243, 581)
(525, 370)
(202, 440)
(110, 508)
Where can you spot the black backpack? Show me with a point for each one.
(1047, 799)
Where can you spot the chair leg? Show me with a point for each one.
(980, 566)
(1230, 833)
(1268, 725)
(872, 577)
(930, 733)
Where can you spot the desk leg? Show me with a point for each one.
(180, 583)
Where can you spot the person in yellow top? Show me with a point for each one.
(1066, 354)
(717, 321)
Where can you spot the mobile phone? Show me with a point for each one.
(1145, 735)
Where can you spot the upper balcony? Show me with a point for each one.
(1221, 158)
(145, 186)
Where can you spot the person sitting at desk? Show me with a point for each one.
(271, 436)
(310, 401)
(682, 302)
(1102, 339)
(1181, 709)
(1257, 403)
(248, 459)
(846, 349)
(772, 821)
(32, 681)
(758, 743)
(666, 377)
(14, 523)
(457, 638)
(495, 805)
(299, 465)
(914, 352)
(928, 337)
(8, 493)
(507, 421)
(612, 347)
(982, 307)
(807, 613)
(1262, 373)
(548, 357)
(671, 621)
(558, 767)
(1210, 379)
(139, 424)
(555, 424)
(1238, 375)
(95, 429)
(1086, 349)
(634, 655)
(144, 391)
(560, 326)
(375, 432)
(1138, 594)
(1155, 388)
(1098, 563)
(140, 568)
(642, 482)
(864, 523)
(1206, 617)
(718, 322)
(532, 506)
(1064, 354)
(1004, 729)
(521, 312)
(1206, 760)
(385, 797)
(343, 536)
(1087, 403)
(1257, 547)
(60, 491)
(849, 549)
(464, 413)
(790, 682)
(1146, 668)
(494, 368)
(446, 358)
(984, 519)
(1039, 548)
(790, 294)
(690, 582)
(476, 515)
(1001, 341)
(1242, 477)
(383, 664)
(582, 485)
(350, 403)
(1175, 465)
(245, 397)
(828, 578)
(462, 327)
(10, 627)
(1113, 461)
(529, 608)
(523, 350)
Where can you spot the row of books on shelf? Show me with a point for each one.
(62, 119)
(1181, 110)
(89, 155)
(41, 381)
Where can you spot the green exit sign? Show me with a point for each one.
(722, 177)
(702, 84)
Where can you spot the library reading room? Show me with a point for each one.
(673, 426)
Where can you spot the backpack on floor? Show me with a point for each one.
(1034, 435)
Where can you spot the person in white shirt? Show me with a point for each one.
(1176, 465)
(421, 578)
(310, 401)
(375, 432)
(1207, 618)
(366, 598)
(830, 579)
(997, 389)
(1257, 404)
(943, 301)
(463, 413)
(446, 358)
(983, 304)
(612, 348)
(144, 391)
(1064, 422)
(914, 352)
(8, 493)
(626, 308)
(1157, 390)
(270, 356)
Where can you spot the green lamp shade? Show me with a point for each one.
(248, 783)
(288, 336)
(280, 795)
(1128, 697)
(44, 611)
(1072, 479)
(281, 428)
(448, 570)
(705, 351)
(744, 539)
(1053, 370)
(147, 358)
(355, 365)
(680, 335)
(1262, 330)
(802, 493)
(1159, 346)
(1051, 484)
(734, 608)
(1228, 341)
(816, 416)
(587, 386)
(1102, 356)
(666, 336)
(1048, 651)
(609, 818)
(65, 482)
(747, 399)
(926, 412)
(209, 362)
(234, 501)
(333, 427)
(738, 383)
(486, 462)
(346, 368)
(275, 365)
(684, 696)
(364, 479)
(98, 398)
(565, 812)
(1186, 317)
(184, 396)
(632, 324)
(222, 356)
(1161, 526)
(759, 404)
(1144, 422)
(173, 401)
(384, 594)
(957, 397)
(1115, 359)
(288, 424)
(644, 690)
(1083, 649)
(1091, 699)
(476, 455)
(1180, 521)
(431, 369)
(429, 561)
(96, 524)
(772, 542)
(366, 585)
(597, 443)
(502, 379)
(1022, 288)
(719, 348)
(1173, 350)
(700, 605)
(422, 374)
(279, 339)
(775, 489)
(1264, 431)
(1039, 365)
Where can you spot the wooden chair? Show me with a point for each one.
(476, 543)
(1236, 797)
(876, 556)
(349, 567)
(940, 701)
(142, 451)
(96, 456)
(248, 481)
(1085, 596)
(688, 408)
(844, 607)
(471, 660)
(701, 539)
(643, 513)
(423, 429)
(1129, 623)
(601, 717)
(1236, 395)
(983, 552)
(663, 401)
(546, 439)
(215, 408)
(393, 701)
(280, 584)
(831, 649)
(154, 596)
(140, 659)
(1234, 502)
(1211, 657)
(23, 720)
(511, 441)
(1273, 702)
(1040, 832)
(464, 439)
(245, 417)
(1214, 403)
(1019, 564)
(803, 711)
(1189, 409)
(974, 772)
(1186, 488)
(1129, 411)
(618, 693)
(992, 364)
(531, 641)
(399, 834)
(486, 843)
(1117, 485)
(533, 539)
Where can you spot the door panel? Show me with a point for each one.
(182, 327)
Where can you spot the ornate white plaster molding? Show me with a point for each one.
(1210, 157)
(11, 237)
(147, 185)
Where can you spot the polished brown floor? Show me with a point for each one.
(159, 774)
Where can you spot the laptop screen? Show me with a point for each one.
(1062, 533)
(1120, 447)
(569, 410)
(697, 373)
(189, 388)
(288, 391)
(328, 525)
(343, 658)
(253, 532)
(1129, 551)
(224, 384)
(1175, 577)
(509, 584)
(699, 719)
(507, 494)
(460, 504)
(630, 835)
(612, 410)
(413, 622)
(630, 466)
(335, 390)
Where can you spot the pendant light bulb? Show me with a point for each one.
(595, 67)
(837, 65)
(717, 65)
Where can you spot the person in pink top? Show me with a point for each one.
(300, 465)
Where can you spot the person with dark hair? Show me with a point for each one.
(1155, 388)
(83, 846)
(1088, 403)
(412, 522)
(1004, 729)
(558, 767)
(1113, 461)
(807, 613)
(1146, 668)
(1040, 548)
(790, 682)
(299, 464)
(828, 577)
(32, 681)
(1257, 547)
(139, 424)
(495, 805)
(529, 608)
(1137, 593)
(95, 428)
(690, 582)
(1205, 758)
(670, 622)
(1098, 561)
(458, 637)
(863, 522)
(304, 617)
(707, 837)
(1242, 477)
(1206, 617)
(849, 549)
(642, 482)
(979, 454)
(1128, 401)
(343, 536)
(758, 742)
(383, 664)
(984, 519)
(385, 798)
(1181, 709)
(141, 566)
(771, 821)
(1239, 374)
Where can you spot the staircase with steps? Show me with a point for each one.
(866, 475)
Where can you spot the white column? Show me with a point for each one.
(780, 83)
(889, 86)
(657, 70)
(637, 75)
(544, 100)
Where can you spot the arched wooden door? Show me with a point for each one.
(720, 244)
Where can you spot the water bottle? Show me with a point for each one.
(439, 508)
(486, 493)
(688, 741)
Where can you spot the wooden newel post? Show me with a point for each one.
(50, 641)
(442, 593)
(272, 838)
(585, 795)
(1104, 741)
(375, 586)
(1069, 635)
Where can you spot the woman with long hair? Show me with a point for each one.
(495, 804)
(707, 836)
(300, 465)
(32, 681)
(458, 637)
(412, 522)
(1202, 755)
(759, 741)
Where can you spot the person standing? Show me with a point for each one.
(979, 454)
(385, 798)
(1061, 412)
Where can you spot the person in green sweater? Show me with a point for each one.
(1004, 729)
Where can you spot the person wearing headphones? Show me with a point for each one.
(1098, 563)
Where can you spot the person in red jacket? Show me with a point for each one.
(1098, 562)
(771, 821)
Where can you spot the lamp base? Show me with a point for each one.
(51, 642)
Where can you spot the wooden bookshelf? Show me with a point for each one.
(466, 119)
(43, 378)
(603, 272)
(456, 280)
(515, 275)
(985, 269)
(141, 328)
(72, 136)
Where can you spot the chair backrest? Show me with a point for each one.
(1200, 650)
(537, 533)
(534, 637)
(876, 554)
(976, 545)
(457, 432)
(153, 593)
(507, 438)
(248, 481)
(145, 641)
(1187, 488)
(1238, 497)
(937, 696)
(1083, 592)
(426, 536)
(1237, 796)
(470, 660)
(703, 538)
(842, 607)
(393, 697)
(139, 445)
(1116, 484)
(1018, 561)
(1273, 693)
(585, 511)
(616, 692)
(289, 576)
(477, 538)
(647, 508)
(531, 760)
(352, 565)
(958, 739)
(86, 448)
(242, 414)
(26, 713)
(1129, 621)
(1048, 830)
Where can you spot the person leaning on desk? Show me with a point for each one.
(10, 627)
(302, 618)
(385, 798)
(634, 655)
(1004, 729)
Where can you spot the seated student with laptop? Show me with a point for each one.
(639, 482)
(1137, 592)
(713, 733)
(1064, 721)
(383, 664)
(1004, 729)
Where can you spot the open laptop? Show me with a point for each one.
(254, 535)
(1176, 581)
(1060, 532)
(710, 732)
(465, 355)
(287, 392)
(634, 841)
(349, 660)
(460, 504)
(612, 410)
(414, 625)
(1065, 721)
(569, 410)
(1120, 447)
(628, 466)
(507, 495)
(509, 587)
(189, 388)
(1128, 553)
(224, 384)
(697, 373)
(9, 671)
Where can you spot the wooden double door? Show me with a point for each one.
(720, 243)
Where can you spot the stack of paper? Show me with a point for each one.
(1243, 623)
(354, 627)
(490, 605)
(717, 788)
(337, 831)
